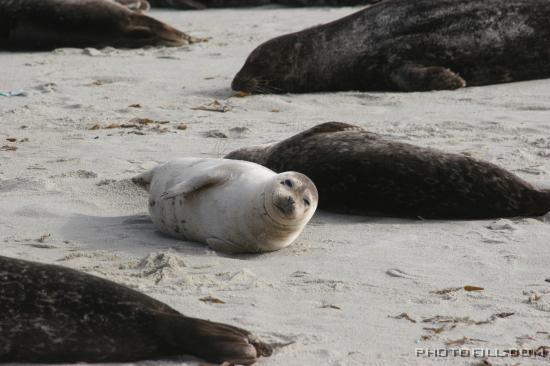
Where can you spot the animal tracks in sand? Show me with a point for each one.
(164, 271)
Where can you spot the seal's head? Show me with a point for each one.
(271, 66)
(256, 154)
(290, 199)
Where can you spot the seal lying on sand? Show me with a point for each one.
(233, 206)
(52, 314)
(47, 24)
(203, 4)
(404, 45)
(360, 172)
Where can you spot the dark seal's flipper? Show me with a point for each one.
(360, 172)
(407, 45)
(420, 78)
(216, 342)
(52, 314)
(49, 24)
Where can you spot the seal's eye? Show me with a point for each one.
(288, 183)
(306, 201)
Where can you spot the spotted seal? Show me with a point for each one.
(233, 206)
(360, 172)
(53, 314)
(404, 45)
(48, 24)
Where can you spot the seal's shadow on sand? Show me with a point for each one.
(135, 233)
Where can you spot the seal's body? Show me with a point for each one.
(360, 172)
(52, 314)
(203, 4)
(404, 45)
(48, 24)
(233, 206)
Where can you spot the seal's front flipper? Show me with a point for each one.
(196, 184)
(221, 245)
(421, 78)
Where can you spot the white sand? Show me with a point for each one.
(70, 183)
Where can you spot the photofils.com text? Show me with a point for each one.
(540, 352)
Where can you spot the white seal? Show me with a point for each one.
(233, 206)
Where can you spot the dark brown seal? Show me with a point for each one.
(52, 314)
(203, 4)
(408, 45)
(356, 171)
(48, 24)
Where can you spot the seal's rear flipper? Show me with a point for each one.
(421, 78)
(145, 30)
(196, 184)
(215, 342)
(144, 179)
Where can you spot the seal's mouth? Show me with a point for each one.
(254, 85)
(238, 84)
(287, 206)
(279, 217)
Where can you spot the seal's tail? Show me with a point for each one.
(144, 179)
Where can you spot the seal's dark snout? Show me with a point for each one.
(287, 205)
(242, 84)
(237, 84)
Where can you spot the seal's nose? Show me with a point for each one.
(237, 84)
(287, 205)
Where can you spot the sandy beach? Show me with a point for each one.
(351, 290)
